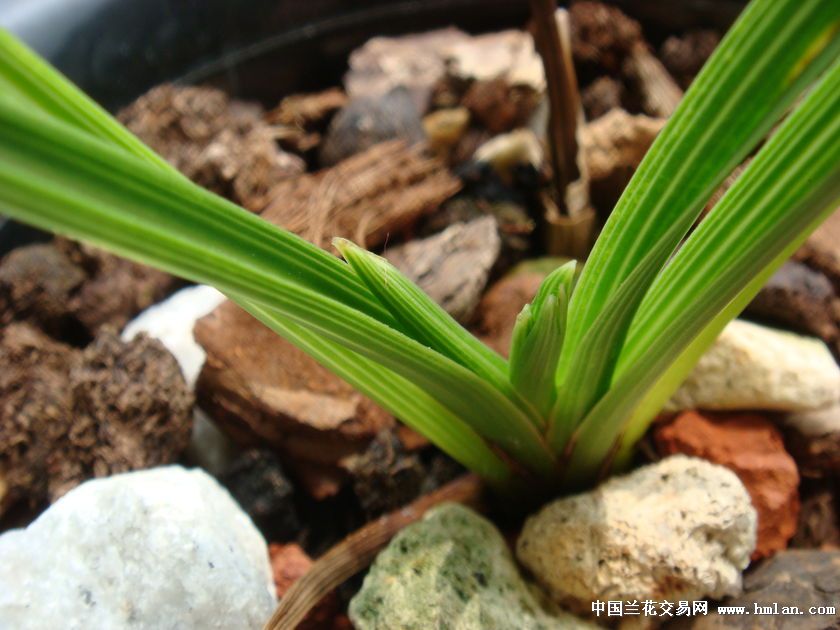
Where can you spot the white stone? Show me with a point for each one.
(510, 55)
(171, 322)
(679, 529)
(157, 549)
(815, 423)
(756, 367)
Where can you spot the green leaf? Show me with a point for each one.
(659, 394)
(583, 377)
(421, 317)
(59, 164)
(31, 80)
(411, 404)
(60, 179)
(538, 339)
(774, 50)
(793, 183)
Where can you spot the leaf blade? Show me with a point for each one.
(767, 57)
(803, 161)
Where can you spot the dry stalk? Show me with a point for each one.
(563, 97)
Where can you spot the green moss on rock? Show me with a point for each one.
(451, 570)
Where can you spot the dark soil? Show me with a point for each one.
(70, 291)
(67, 415)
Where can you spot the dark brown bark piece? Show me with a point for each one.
(602, 36)
(798, 297)
(115, 289)
(34, 402)
(366, 198)
(600, 96)
(130, 409)
(223, 145)
(384, 476)
(813, 438)
(819, 516)
(258, 483)
(685, 55)
(307, 111)
(71, 290)
(499, 106)
(300, 120)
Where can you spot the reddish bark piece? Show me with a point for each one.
(751, 446)
(410, 439)
(262, 391)
(366, 198)
(320, 481)
(289, 563)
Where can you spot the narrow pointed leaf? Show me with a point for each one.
(60, 179)
(27, 77)
(792, 184)
(538, 339)
(421, 317)
(774, 50)
(534, 353)
(659, 394)
(584, 375)
(409, 403)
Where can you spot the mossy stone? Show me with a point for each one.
(451, 571)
